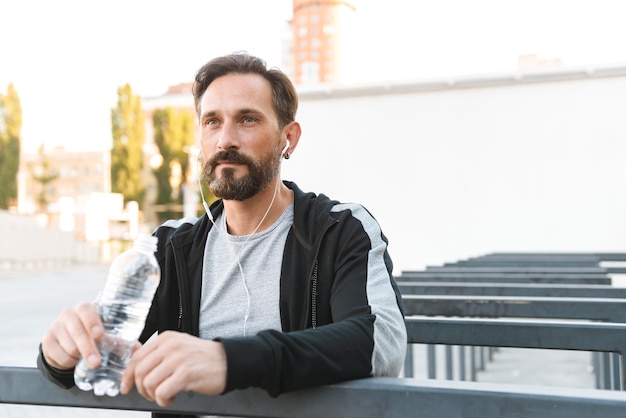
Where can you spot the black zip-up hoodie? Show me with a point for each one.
(341, 311)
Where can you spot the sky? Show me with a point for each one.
(67, 58)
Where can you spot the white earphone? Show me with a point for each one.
(204, 203)
(238, 253)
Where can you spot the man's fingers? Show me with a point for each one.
(84, 329)
(72, 335)
(56, 354)
(90, 318)
(136, 347)
(128, 378)
(148, 370)
(165, 394)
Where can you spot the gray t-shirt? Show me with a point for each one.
(241, 280)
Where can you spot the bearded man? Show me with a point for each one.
(272, 287)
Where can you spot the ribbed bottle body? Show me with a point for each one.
(123, 305)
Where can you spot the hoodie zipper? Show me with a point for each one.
(180, 289)
(314, 277)
(314, 296)
(180, 312)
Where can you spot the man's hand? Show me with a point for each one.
(72, 335)
(175, 362)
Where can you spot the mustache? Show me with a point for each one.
(228, 156)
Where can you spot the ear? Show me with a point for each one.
(292, 133)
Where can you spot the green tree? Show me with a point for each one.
(44, 176)
(174, 136)
(127, 152)
(10, 127)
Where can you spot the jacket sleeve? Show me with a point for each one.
(63, 378)
(364, 333)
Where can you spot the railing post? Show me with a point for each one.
(408, 361)
(449, 362)
(431, 359)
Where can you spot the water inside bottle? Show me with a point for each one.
(123, 324)
(106, 379)
(123, 306)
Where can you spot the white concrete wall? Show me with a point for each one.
(457, 172)
(24, 243)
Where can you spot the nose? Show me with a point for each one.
(228, 138)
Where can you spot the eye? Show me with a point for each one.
(249, 120)
(211, 122)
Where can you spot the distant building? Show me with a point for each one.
(75, 174)
(60, 186)
(318, 26)
(534, 62)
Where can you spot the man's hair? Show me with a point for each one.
(284, 96)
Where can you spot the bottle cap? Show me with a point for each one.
(146, 243)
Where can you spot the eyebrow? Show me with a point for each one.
(239, 113)
(208, 114)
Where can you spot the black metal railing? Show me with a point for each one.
(374, 397)
(557, 301)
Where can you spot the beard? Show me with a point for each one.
(260, 174)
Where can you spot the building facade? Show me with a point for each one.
(317, 28)
(46, 177)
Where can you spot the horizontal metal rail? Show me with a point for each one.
(519, 269)
(523, 263)
(533, 263)
(374, 397)
(600, 338)
(582, 262)
(556, 256)
(495, 277)
(510, 289)
(562, 335)
(598, 309)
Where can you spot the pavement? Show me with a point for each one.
(29, 302)
(517, 366)
(31, 299)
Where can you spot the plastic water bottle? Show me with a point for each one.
(123, 306)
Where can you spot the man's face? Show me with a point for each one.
(240, 136)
